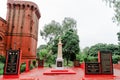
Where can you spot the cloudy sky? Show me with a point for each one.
(94, 18)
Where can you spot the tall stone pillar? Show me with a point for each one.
(59, 60)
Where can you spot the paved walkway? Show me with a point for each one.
(37, 74)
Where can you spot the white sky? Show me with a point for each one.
(94, 18)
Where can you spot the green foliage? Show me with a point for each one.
(31, 66)
(67, 24)
(54, 29)
(118, 42)
(70, 45)
(51, 59)
(34, 63)
(41, 47)
(2, 59)
(91, 54)
(1, 71)
(115, 58)
(69, 64)
(91, 59)
(115, 4)
(82, 57)
(93, 51)
(1, 68)
(51, 30)
(22, 67)
(42, 54)
(48, 57)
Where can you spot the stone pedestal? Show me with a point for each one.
(59, 63)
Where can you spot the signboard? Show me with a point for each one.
(76, 63)
(12, 62)
(92, 68)
(40, 63)
(106, 62)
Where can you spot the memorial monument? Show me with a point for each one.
(12, 64)
(103, 66)
(59, 60)
(59, 64)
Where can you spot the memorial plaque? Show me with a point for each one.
(92, 68)
(106, 62)
(59, 63)
(12, 62)
(40, 63)
(76, 63)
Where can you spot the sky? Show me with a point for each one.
(94, 19)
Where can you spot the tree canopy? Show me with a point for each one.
(115, 4)
(54, 29)
(93, 50)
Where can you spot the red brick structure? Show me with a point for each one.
(20, 29)
(3, 30)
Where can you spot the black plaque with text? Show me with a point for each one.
(40, 63)
(92, 68)
(76, 63)
(12, 62)
(106, 62)
(59, 63)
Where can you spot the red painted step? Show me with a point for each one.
(55, 71)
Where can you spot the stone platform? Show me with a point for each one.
(38, 74)
(57, 71)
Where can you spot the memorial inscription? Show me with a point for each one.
(12, 62)
(106, 62)
(40, 63)
(76, 63)
(59, 64)
(92, 68)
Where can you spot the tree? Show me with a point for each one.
(55, 29)
(115, 4)
(42, 54)
(67, 24)
(70, 44)
(93, 50)
(50, 31)
(41, 47)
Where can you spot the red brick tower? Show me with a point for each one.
(3, 29)
(22, 18)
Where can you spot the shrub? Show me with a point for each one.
(34, 63)
(91, 59)
(1, 68)
(115, 59)
(22, 67)
(2, 59)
